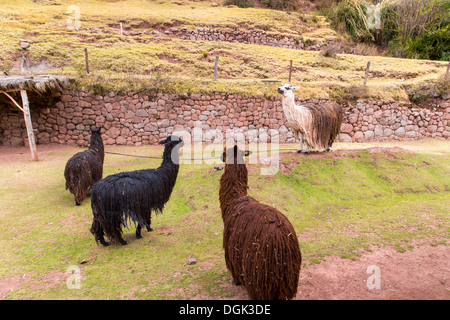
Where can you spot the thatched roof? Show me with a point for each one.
(39, 84)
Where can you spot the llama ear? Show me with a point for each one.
(163, 141)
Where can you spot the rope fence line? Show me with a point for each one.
(192, 159)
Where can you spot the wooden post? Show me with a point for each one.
(367, 72)
(22, 62)
(448, 69)
(215, 68)
(27, 116)
(87, 60)
(290, 70)
(121, 29)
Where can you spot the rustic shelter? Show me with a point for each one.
(40, 84)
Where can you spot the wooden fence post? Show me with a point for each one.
(215, 68)
(27, 116)
(448, 69)
(290, 70)
(367, 72)
(87, 60)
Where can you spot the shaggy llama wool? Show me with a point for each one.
(261, 247)
(85, 168)
(132, 196)
(317, 126)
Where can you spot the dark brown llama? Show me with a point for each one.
(85, 168)
(261, 247)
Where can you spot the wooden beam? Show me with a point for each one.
(26, 114)
(14, 101)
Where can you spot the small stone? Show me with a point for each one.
(191, 261)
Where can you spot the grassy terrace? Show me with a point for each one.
(151, 61)
(341, 203)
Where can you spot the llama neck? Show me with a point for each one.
(233, 185)
(96, 144)
(288, 102)
(171, 159)
(289, 106)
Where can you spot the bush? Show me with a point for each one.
(418, 29)
(430, 89)
(286, 5)
(349, 16)
(411, 28)
(240, 3)
(432, 45)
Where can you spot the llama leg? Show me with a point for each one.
(78, 198)
(300, 136)
(302, 140)
(138, 232)
(98, 233)
(122, 242)
(236, 282)
(102, 241)
(148, 225)
(330, 143)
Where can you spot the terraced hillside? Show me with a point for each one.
(171, 46)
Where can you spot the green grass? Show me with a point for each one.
(161, 63)
(339, 205)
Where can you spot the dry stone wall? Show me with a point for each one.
(145, 118)
(243, 36)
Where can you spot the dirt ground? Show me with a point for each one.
(422, 273)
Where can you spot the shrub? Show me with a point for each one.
(417, 29)
(286, 5)
(411, 28)
(240, 3)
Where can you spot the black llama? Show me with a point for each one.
(126, 196)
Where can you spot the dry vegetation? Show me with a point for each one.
(146, 60)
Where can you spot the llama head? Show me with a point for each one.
(172, 141)
(96, 129)
(287, 89)
(172, 145)
(234, 155)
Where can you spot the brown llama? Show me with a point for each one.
(261, 247)
(85, 168)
